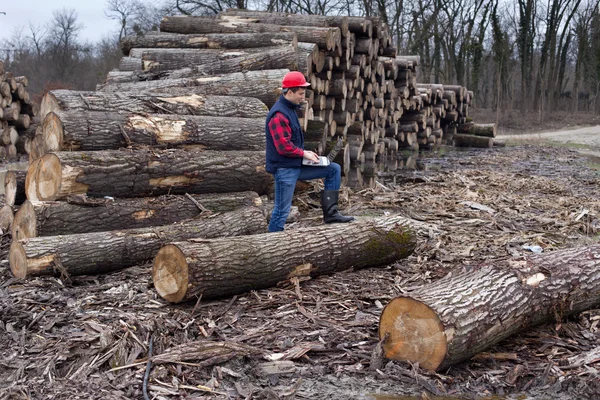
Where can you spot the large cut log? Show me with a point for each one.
(326, 38)
(262, 85)
(6, 218)
(136, 102)
(207, 41)
(96, 130)
(170, 59)
(487, 130)
(288, 19)
(143, 173)
(277, 58)
(214, 268)
(465, 140)
(14, 188)
(99, 252)
(81, 214)
(461, 315)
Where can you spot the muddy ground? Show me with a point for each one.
(88, 337)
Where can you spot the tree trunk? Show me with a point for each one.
(136, 102)
(462, 140)
(326, 38)
(6, 218)
(81, 214)
(144, 173)
(459, 316)
(215, 268)
(486, 130)
(94, 130)
(14, 188)
(287, 19)
(262, 85)
(206, 41)
(278, 58)
(171, 59)
(99, 252)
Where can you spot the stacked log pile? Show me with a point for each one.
(361, 90)
(18, 114)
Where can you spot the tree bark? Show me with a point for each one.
(278, 58)
(143, 173)
(136, 102)
(326, 38)
(486, 130)
(95, 130)
(215, 268)
(100, 252)
(174, 59)
(81, 214)
(462, 140)
(262, 85)
(459, 316)
(14, 188)
(206, 41)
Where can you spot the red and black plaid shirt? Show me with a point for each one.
(281, 132)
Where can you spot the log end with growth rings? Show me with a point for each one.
(18, 260)
(25, 224)
(53, 132)
(49, 104)
(44, 178)
(412, 332)
(170, 273)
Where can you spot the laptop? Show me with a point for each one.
(326, 160)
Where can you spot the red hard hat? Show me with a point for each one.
(294, 79)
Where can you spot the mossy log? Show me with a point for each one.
(214, 268)
(97, 130)
(159, 103)
(82, 214)
(144, 173)
(100, 252)
(206, 41)
(461, 315)
(465, 140)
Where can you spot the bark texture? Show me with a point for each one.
(206, 41)
(99, 252)
(144, 173)
(96, 130)
(459, 316)
(214, 268)
(81, 214)
(136, 102)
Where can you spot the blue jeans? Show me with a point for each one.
(285, 182)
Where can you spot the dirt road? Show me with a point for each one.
(588, 138)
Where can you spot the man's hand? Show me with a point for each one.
(311, 155)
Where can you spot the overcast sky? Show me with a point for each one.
(90, 14)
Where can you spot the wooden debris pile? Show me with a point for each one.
(17, 116)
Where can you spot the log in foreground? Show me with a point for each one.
(214, 268)
(145, 173)
(96, 130)
(158, 103)
(82, 214)
(487, 130)
(459, 316)
(466, 140)
(100, 252)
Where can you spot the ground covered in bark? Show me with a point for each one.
(89, 337)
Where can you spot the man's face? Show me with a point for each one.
(297, 97)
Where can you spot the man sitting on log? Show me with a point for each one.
(285, 151)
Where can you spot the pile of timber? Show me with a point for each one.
(471, 134)
(17, 116)
(361, 90)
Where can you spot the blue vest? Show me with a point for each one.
(274, 159)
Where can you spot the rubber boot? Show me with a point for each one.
(329, 202)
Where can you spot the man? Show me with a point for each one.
(285, 151)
